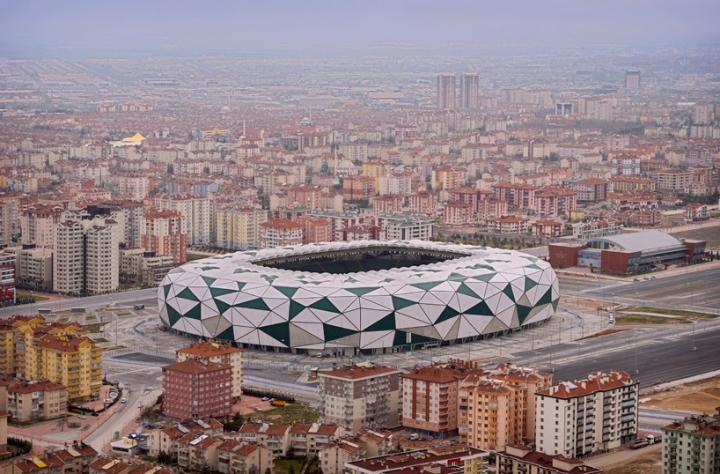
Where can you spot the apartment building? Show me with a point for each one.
(521, 459)
(73, 459)
(164, 232)
(358, 187)
(237, 457)
(403, 227)
(423, 203)
(308, 439)
(198, 390)
(165, 439)
(581, 417)
(360, 396)
(315, 229)
(626, 184)
(143, 268)
(673, 179)
(37, 224)
(35, 400)
(237, 227)
(34, 267)
(60, 356)
(692, 445)
(458, 213)
(86, 255)
(447, 177)
(9, 217)
(196, 214)
(198, 452)
(591, 190)
(555, 202)
(498, 408)
(446, 93)
(508, 225)
(388, 203)
(275, 437)
(280, 233)
(430, 399)
(454, 459)
(333, 457)
(217, 353)
(592, 229)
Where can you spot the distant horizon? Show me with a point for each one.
(34, 28)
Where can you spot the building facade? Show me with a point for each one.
(196, 390)
(218, 353)
(360, 396)
(692, 445)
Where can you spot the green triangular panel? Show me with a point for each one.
(335, 332)
(523, 312)
(215, 292)
(325, 305)
(465, 290)
(194, 313)
(240, 285)
(481, 309)
(187, 294)
(173, 315)
(486, 277)
(167, 290)
(400, 303)
(221, 305)
(226, 335)
(530, 284)
(546, 298)
(427, 286)
(509, 292)
(385, 324)
(361, 291)
(269, 278)
(257, 303)
(416, 338)
(400, 338)
(208, 280)
(447, 313)
(295, 309)
(286, 290)
(280, 331)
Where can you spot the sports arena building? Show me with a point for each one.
(367, 295)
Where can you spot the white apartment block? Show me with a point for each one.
(197, 213)
(360, 396)
(577, 418)
(86, 256)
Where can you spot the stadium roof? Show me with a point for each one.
(639, 241)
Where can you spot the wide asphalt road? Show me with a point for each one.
(693, 289)
(653, 356)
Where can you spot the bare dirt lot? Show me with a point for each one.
(711, 234)
(646, 461)
(696, 397)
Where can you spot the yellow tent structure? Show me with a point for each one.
(137, 138)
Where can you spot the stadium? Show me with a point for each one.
(342, 297)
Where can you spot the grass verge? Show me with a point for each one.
(669, 312)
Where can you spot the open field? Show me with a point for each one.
(710, 234)
(669, 312)
(292, 413)
(647, 462)
(622, 320)
(697, 397)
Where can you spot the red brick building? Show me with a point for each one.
(197, 390)
(164, 233)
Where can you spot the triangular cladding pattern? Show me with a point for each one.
(436, 306)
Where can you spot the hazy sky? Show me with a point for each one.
(26, 25)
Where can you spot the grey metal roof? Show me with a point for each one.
(640, 241)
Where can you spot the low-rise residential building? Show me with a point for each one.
(198, 452)
(238, 457)
(696, 212)
(218, 353)
(164, 440)
(520, 459)
(275, 437)
(692, 445)
(38, 400)
(333, 457)
(592, 229)
(577, 418)
(508, 225)
(73, 459)
(197, 389)
(360, 396)
(309, 439)
(429, 399)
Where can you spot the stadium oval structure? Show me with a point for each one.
(361, 295)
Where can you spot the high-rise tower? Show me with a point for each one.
(446, 98)
(469, 90)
